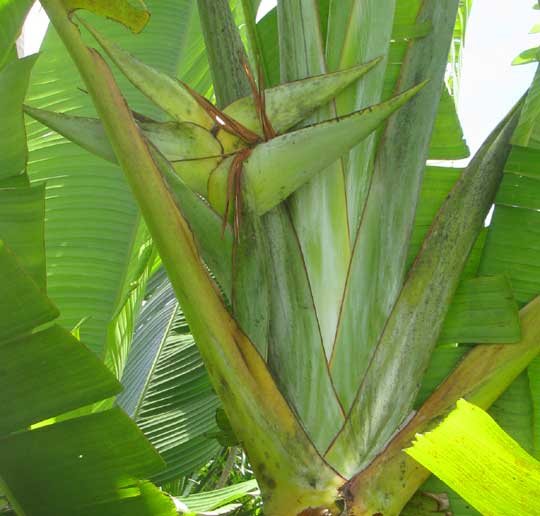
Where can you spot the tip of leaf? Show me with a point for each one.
(121, 11)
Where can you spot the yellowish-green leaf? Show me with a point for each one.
(476, 458)
(534, 385)
(134, 18)
(527, 56)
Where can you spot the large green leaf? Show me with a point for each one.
(60, 374)
(12, 15)
(527, 132)
(482, 310)
(21, 224)
(534, 384)
(122, 326)
(512, 411)
(480, 461)
(513, 240)
(92, 223)
(208, 501)
(478, 303)
(25, 307)
(45, 372)
(77, 464)
(512, 247)
(167, 390)
(13, 81)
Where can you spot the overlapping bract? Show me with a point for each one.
(201, 142)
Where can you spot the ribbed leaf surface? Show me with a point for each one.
(513, 247)
(26, 306)
(46, 372)
(534, 382)
(92, 220)
(167, 390)
(59, 373)
(527, 133)
(507, 477)
(513, 242)
(205, 502)
(483, 310)
(512, 411)
(69, 464)
(21, 224)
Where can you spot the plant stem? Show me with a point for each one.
(254, 39)
(225, 51)
(260, 416)
(226, 473)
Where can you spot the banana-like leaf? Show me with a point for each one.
(21, 224)
(209, 501)
(122, 326)
(530, 55)
(534, 384)
(92, 222)
(118, 10)
(475, 457)
(12, 16)
(14, 79)
(437, 184)
(455, 57)
(527, 132)
(28, 309)
(66, 465)
(514, 250)
(61, 374)
(512, 411)
(59, 468)
(511, 242)
(167, 390)
(483, 310)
